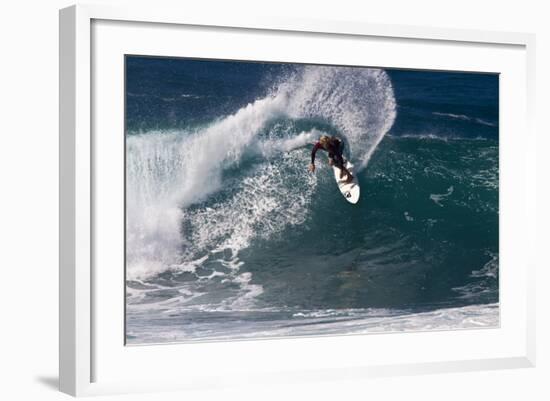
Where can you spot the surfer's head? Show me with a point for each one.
(324, 141)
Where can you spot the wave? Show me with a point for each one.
(464, 117)
(272, 216)
(255, 324)
(439, 138)
(171, 174)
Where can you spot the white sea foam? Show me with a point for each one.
(486, 277)
(322, 322)
(452, 115)
(490, 269)
(438, 198)
(465, 118)
(272, 147)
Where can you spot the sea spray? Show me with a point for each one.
(358, 102)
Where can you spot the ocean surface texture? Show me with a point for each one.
(229, 236)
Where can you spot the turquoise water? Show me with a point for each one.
(229, 236)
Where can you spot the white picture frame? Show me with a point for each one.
(85, 350)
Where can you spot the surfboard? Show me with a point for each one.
(350, 190)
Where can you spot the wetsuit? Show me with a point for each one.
(335, 150)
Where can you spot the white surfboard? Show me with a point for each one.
(350, 190)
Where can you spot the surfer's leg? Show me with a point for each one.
(344, 170)
(339, 162)
(350, 176)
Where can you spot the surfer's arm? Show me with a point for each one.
(316, 147)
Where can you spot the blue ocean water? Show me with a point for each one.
(229, 236)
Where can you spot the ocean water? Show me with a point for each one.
(229, 236)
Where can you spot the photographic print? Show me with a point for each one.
(271, 200)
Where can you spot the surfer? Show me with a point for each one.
(335, 148)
